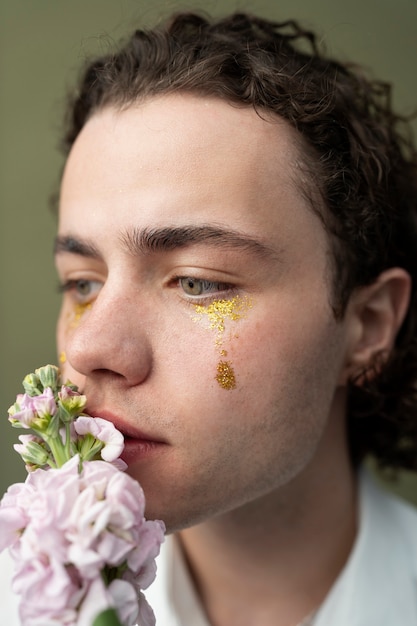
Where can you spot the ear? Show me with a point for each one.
(374, 316)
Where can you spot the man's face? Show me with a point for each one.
(196, 310)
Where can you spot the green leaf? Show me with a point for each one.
(107, 618)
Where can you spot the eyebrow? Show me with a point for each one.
(148, 240)
(74, 245)
(152, 240)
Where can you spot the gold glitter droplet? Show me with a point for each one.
(79, 311)
(217, 312)
(226, 375)
(63, 357)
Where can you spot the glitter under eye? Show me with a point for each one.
(220, 310)
(79, 310)
(217, 313)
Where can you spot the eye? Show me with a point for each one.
(82, 290)
(200, 287)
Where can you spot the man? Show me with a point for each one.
(236, 246)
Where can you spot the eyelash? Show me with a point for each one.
(220, 288)
(225, 289)
(74, 285)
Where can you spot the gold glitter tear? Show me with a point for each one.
(226, 375)
(79, 311)
(62, 357)
(220, 310)
(217, 313)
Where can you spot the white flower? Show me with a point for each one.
(104, 432)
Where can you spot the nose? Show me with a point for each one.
(111, 339)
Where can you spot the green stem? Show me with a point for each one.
(58, 450)
(67, 440)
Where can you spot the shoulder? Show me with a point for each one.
(393, 519)
(378, 586)
(172, 595)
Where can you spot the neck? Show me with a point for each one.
(283, 552)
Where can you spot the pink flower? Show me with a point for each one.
(141, 559)
(103, 431)
(65, 529)
(47, 497)
(49, 589)
(106, 520)
(44, 404)
(33, 412)
(22, 411)
(76, 527)
(12, 522)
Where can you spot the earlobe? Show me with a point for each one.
(375, 314)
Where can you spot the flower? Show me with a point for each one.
(33, 412)
(32, 450)
(71, 402)
(76, 527)
(48, 376)
(102, 434)
(71, 528)
(119, 593)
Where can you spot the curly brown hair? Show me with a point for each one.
(361, 161)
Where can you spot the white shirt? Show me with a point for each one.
(377, 587)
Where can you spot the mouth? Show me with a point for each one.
(138, 445)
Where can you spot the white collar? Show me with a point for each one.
(377, 587)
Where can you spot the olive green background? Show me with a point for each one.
(42, 44)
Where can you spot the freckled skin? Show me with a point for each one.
(140, 354)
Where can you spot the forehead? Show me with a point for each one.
(189, 132)
(203, 156)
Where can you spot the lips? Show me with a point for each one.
(137, 443)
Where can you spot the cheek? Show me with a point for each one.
(264, 432)
(287, 367)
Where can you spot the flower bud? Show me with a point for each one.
(71, 402)
(32, 385)
(49, 376)
(32, 451)
(12, 410)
